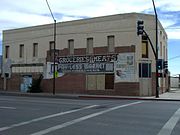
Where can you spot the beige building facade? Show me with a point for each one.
(102, 55)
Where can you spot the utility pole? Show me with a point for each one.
(157, 81)
(54, 79)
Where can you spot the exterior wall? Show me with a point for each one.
(93, 83)
(122, 27)
(1, 64)
(69, 83)
(1, 83)
(13, 83)
(175, 82)
(153, 83)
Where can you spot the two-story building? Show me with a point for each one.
(101, 55)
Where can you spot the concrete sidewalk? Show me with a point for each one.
(172, 95)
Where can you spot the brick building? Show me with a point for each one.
(102, 55)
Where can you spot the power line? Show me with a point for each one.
(172, 28)
(50, 11)
(174, 57)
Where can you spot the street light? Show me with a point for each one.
(157, 81)
(54, 83)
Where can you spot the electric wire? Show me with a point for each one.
(174, 57)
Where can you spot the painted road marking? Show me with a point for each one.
(5, 107)
(66, 124)
(45, 117)
(169, 126)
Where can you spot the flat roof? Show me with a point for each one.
(82, 21)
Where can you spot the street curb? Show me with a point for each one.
(89, 97)
(39, 95)
(126, 98)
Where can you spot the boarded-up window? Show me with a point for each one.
(144, 47)
(109, 81)
(51, 45)
(95, 82)
(161, 50)
(35, 49)
(21, 51)
(7, 52)
(111, 42)
(89, 49)
(71, 46)
(164, 52)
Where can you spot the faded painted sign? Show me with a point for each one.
(87, 63)
(125, 68)
(86, 58)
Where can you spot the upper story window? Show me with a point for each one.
(161, 49)
(51, 45)
(111, 43)
(35, 49)
(164, 52)
(144, 47)
(164, 37)
(21, 50)
(89, 48)
(71, 46)
(6, 51)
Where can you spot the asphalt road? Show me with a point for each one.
(39, 116)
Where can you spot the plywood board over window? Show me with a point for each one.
(89, 48)
(109, 81)
(100, 82)
(144, 48)
(35, 50)
(21, 50)
(51, 45)
(111, 43)
(71, 46)
(91, 82)
(7, 52)
(95, 82)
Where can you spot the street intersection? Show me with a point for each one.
(39, 116)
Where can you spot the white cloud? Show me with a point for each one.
(173, 33)
(22, 13)
(169, 4)
(24, 18)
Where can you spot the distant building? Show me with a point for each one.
(175, 82)
(1, 80)
(1, 64)
(102, 55)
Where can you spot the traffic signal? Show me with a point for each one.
(159, 74)
(165, 64)
(6, 75)
(140, 27)
(159, 64)
(166, 71)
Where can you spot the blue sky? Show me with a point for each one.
(23, 13)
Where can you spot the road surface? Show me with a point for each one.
(39, 116)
